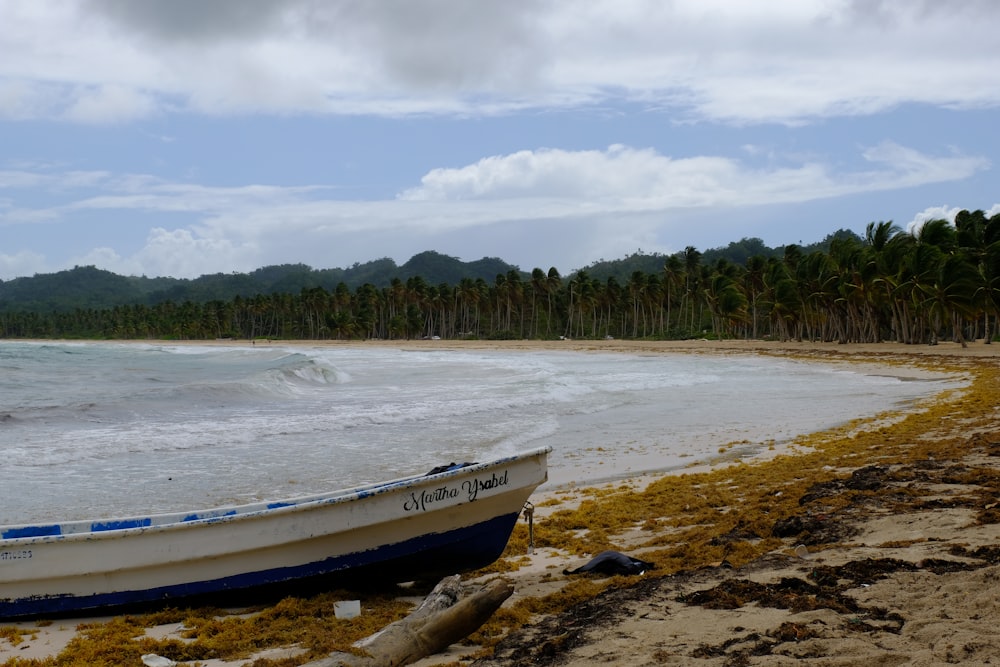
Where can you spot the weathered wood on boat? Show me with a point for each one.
(443, 618)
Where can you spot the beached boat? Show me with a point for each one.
(440, 523)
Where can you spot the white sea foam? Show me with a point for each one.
(107, 429)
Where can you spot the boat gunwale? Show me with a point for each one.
(122, 526)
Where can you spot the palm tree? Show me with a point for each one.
(370, 309)
(886, 246)
(725, 300)
(636, 290)
(553, 284)
(515, 294)
(503, 301)
(989, 267)
(538, 287)
(979, 238)
(783, 294)
(611, 297)
(753, 286)
(673, 279)
(935, 241)
(466, 296)
(417, 291)
(948, 295)
(692, 273)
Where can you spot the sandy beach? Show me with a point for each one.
(887, 557)
(872, 543)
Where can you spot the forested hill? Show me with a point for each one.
(88, 287)
(737, 252)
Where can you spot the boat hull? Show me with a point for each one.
(407, 529)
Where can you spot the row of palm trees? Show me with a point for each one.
(942, 280)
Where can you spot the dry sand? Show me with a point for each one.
(908, 578)
(901, 570)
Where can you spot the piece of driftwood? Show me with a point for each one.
(443, 618)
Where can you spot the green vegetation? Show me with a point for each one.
(943, 281)
(87, 287)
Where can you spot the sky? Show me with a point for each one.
(182, 137)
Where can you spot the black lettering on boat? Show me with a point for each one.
(17, 554)
(425, 499)
(473, 486)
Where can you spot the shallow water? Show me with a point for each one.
(95, 429)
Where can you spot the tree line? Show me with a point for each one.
(940, 281)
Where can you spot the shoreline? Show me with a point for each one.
(536, 579)
(947, 348)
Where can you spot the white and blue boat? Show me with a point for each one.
(448, 521)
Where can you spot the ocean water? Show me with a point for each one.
(95, 430)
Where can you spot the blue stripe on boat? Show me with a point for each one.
(31, 531)
(274, 506)
(121, 524)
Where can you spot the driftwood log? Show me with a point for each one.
(443, 618)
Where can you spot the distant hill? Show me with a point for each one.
(83, 287)
(737, 252)
(87, 287)
(436, 268)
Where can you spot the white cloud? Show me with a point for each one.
(180, 253)
(624, 178)
(942, 213)
(23, 263)
(21, 99)
(772, 61)
(615, 172)
(932, 213)
(554, 196)
(73, 180)
(44, 177)
(906, 167)
(539, 184)
(109, 104)
(150, 193)
(11, 215)
(109, 260)
(11, 179)
(185, 254)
